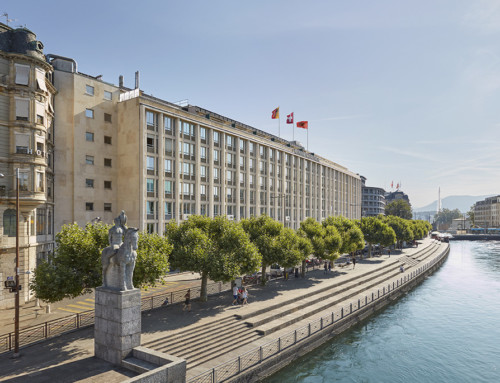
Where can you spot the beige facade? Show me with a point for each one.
(487, 212)
(169, 161)
(26, 144)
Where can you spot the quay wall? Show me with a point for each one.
(329, 328)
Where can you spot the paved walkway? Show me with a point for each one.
(30, 314)
(69, 358)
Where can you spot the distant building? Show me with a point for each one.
(396, 195)
(487, 212)
(372, 200)
(26, 143)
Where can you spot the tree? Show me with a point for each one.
(471, 215)
(350, 233)
(75, 266)
(272, 241)
(216, 248)
(401, 227)
(444, 218)
(399, 208)
(376, 231)
(325, 240)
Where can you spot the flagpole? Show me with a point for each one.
(308, 138)
(293, 127)
(279, 124)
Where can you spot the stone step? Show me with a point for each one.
(138, 365)
(310, 310)
(280, 304)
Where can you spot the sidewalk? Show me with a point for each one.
(70, 357)
(30, 314)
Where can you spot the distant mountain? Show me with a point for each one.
(460, 202)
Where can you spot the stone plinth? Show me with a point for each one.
(117, 328)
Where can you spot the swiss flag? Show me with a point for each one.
(289, 118)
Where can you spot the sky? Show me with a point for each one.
(402, 92)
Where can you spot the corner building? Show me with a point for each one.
(26, 144)
(118, 148)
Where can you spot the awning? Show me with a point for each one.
(40, 79)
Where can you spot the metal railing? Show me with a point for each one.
(235, 366)
(56, 327)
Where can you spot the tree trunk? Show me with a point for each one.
(303, 269)
(263, 277)
(203, 292)
(369, 250)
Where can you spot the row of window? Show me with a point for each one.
(89, 160)
(90, 90)
(89, 113)
(89, 206)
(89, 136)
(89, 182)
(43, 222)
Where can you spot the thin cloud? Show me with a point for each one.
(335, 118)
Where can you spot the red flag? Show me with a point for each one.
(289, 118)
(397, 186)
(276, 113)
(392, 184)
(302, 124)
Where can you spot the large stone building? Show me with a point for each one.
(118, 148)
(487, 212)
(26, 144)
(396, 195)
(372, 200)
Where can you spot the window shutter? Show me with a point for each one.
(40, 79)
(22, 74)
(22, 108)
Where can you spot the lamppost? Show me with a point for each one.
(16, 302)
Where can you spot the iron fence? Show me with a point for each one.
(56, 327)
(233, 367)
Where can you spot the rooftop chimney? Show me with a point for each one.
(137, 80)
(120, 81)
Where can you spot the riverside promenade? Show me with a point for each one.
(215, 332)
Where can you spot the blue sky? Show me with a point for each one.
(403, 91)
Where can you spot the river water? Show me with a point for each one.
(447, 329)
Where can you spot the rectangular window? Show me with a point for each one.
(168, 187)
(107, 140)
(186, 169)
(168, 122)
(169, 145)
(89, 160)
(22, 143)
(252, 147)
(40, 221)
(216, 173)
(150, 209)
(150, 185)
(89, 183)
(22, 109)
(216, 191)
(39, 181)
(107, 162)
(168, 210)
(89, 136)
(242, 146)
(229, 141)
(40, 79)
(216, 155)
(107, 117)
(186, 149)
(203, 189)
(89, 90)
(187, 129)
(203, 152)
(23, 181)
(150, 163)
(203, 133)
(203, 171)
(107, 206)
(107, 184)
(229, 175)
(108, 95)
(168, 166)
(89, 113)
(89, 206)
(229, 158)
(22, 74)
(150, 118)
(216, 137)
(150, 142)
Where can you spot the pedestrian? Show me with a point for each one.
(244, 295)
(353, 262)
(389, 252)
(235, 295)
(187, 302)
(402, 269)
(165, 302)
(326, 268)
(329, 267)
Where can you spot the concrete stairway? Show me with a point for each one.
(202, 342)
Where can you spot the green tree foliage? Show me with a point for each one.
(376, 231)
(399, 208)
(401, 227)
(420, 228)
(75, 266)
(274, 243)
(446, 216)
(350, 233)
(216, 248)
(471, 215)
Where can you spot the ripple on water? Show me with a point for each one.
(445, 330)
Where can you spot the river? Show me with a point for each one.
(447, 329)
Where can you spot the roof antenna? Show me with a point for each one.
(7, 20)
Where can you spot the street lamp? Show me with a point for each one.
(16, 302)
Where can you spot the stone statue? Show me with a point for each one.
(118, 259)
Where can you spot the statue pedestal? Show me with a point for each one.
(117, 328)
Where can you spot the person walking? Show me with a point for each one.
(244, 295)
(235, 295)
(389, 252)
(329, 267)
(326, 268)
(187, 302)
(353, 262)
